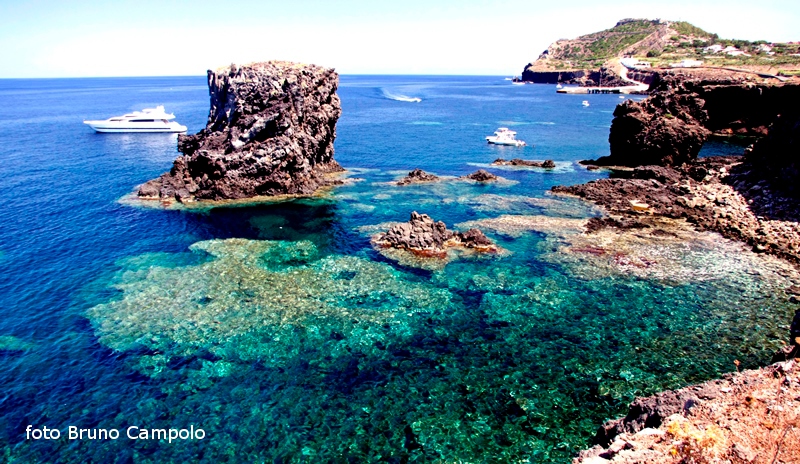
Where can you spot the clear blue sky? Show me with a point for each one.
(150, 38)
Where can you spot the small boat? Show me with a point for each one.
(503, 136)
(147, 120)
(585, 103)
(559, 86)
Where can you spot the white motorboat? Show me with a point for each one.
(503, 136)
(559, 86)
(585, 103)
(147, 120)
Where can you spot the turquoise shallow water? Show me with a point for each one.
(286, 337)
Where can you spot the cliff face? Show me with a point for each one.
(670, 126)
(582, 77)
(270, 131)
(666, 129)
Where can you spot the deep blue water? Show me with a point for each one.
(286, 337)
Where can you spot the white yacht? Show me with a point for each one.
(585, 103)
(147, 120)
(503, 136)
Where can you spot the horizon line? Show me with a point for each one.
(204, 75)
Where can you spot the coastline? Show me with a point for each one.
(723, 195)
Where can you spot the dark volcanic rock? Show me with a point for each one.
(666, 129)
(481, 175)
(422, 235)
(776, 157)
(473, 238)
(548, 164)
(417, 176)
(670, 126)
(270, 131)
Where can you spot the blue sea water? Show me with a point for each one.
(283, 334)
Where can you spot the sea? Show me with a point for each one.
(277, 332)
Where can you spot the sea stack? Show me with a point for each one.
(270, 131)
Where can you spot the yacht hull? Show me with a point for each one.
(103, 126)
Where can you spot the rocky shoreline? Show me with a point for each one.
(721, 194)
(751, 198)
(747, 417)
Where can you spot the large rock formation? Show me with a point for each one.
(270, 131)
(671, 126)
(666, 129)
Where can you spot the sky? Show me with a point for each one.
(88, 38)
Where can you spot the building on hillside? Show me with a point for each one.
(686, 64)
(716, 48)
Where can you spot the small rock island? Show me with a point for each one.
(270, 131)
(423, 236)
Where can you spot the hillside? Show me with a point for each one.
(658, 44)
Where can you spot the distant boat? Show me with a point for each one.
(559, 86)
(147, 120)
(585, 103)
(503, 136)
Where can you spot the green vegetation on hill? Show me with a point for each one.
(593, 49)
(688, 29)
(662, 43)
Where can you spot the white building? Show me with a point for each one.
(687, 64)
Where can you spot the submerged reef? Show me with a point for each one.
(243, 295)
(270, 131)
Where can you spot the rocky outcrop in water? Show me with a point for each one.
(547, 164)
(418, 176)
(481, 175)
(426, 237)
(270, 131)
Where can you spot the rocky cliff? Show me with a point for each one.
(270, 131)
(776, 157)
(669, 127)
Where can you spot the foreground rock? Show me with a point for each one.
(745, 417)
(418, 176)
(270, 131)
(547, 164)
(423, 236)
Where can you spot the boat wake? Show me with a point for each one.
(402, 98)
